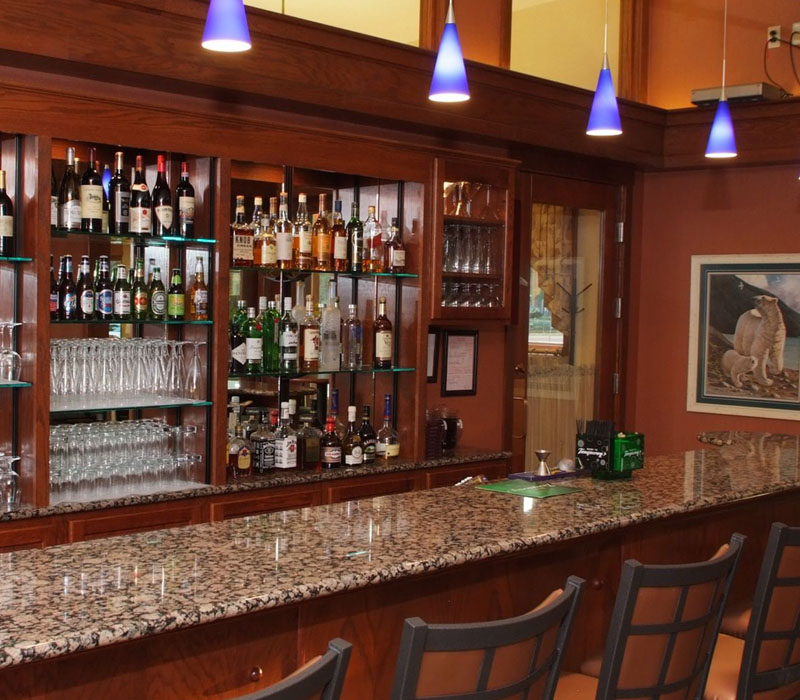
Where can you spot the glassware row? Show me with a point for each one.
(471, 295)
(469, 249)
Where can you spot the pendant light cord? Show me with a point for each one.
(605, 33)
(722, 96)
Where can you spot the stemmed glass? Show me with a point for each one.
(10, 361)
(9, 481)
(194, 374)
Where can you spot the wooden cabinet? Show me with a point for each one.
(28, 534)
(366, 487)
(91, 526)
(258, 502)
(448, 476)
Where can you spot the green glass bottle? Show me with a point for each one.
(269, 330)
(139, 293)
(253, 342)
(157, 297)
(122, 295)
(355, 240)
(176, 297)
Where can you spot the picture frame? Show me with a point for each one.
(433, 355)
(744, 336)
(459, 363)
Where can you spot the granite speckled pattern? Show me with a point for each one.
(465, 455)
(73, 597)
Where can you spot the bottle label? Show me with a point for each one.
(340, 248)
(264, 454)
(140, 302)
(324, 246)
(243, 459)
(370, 448)
(175, 304)
(286, 452)
(71, 214)
(239, 353)
(53, 303)
(53, 210)
(105, 302)
(158, 302)
(355, 456)
(87, 301)
(397, 258)
(122, 202)
(242, 247)
(305, 241)
(201, 301)
(69, 304)
(91, 201)
(185, 210)
(269, 252)
(284, 244)
(392, 450)
(332, 455)
(122, 302)
(6, 226)
(254, 349)
(289, 344)
(311, 344)
(383, 345)
(164, 216)
(140, 219)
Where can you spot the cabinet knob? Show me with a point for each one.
(598, 583)
(255, 673)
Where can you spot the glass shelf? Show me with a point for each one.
(452, 219)
(8, 384)
(135, 238)
(320, 373)
(101, 404)
(96, 321)
(14, 259)
(300, 273)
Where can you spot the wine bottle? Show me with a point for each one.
(119, 195)
(69, 198)
(53, 293)
(67, 299)
(122, 295)
(141, 203)
(176, 297)
(382, 335)
(104, 293)
(7, 247)
(105, 178)
(355, 239)
(157, 296)
(184, 196)
(162, 201)
(85, 291)
(91, 197)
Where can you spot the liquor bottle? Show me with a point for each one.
(283, 234)
(85, 291)
(293, 413)
(53, 293)
(394, 252)
(351, 445)
(331, 332)
(271, 334)
(368, 437)
(330, 446)
(184, 198)
(240, 315)
(151, 264)
(119, 195)
(351, 340)
(302, 237)
(238, 343)
(103, 291)
(340, 427)
(104, 178)
(254, 347)
(53, 197)
(141, 212)
(198, 294)
(267, 250)
(69, 197)
(122, 295)
(308, 444)
(67, 293)
(309, 339)
(299, 308)
(258, 230)
(157, 296)
(339, 238)
(91, 197)
(388, 445)
(240, 461)
(263, 441)
(355, 240)
(285, 441)
(7, 247)
(321, 245)
(288, 338)
(162, 201)
(373, 243)
(382, 336)
(272, 217)
(176, 297)
(241, 238)
(139, 293)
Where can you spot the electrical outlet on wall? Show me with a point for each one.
(774, 31)
(796, 34)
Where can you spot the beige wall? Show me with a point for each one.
(396, 20)
(562, 40)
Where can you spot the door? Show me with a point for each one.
(567, 339)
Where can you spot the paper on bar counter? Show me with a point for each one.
(522, 488)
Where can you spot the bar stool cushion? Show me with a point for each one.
(723, 676)
(592, 665)
(576, 685)
(736, 621)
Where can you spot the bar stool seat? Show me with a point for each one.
(578, 686)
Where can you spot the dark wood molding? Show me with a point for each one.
(633, 49)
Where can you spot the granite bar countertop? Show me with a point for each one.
(462, 455)
(73, 597)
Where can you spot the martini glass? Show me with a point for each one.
(194, 388)
(10, 360)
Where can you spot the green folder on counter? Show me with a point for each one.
(523, 488)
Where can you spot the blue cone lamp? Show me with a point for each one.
(721, 140)
(226, 27)
(604, 117)
(449, 82)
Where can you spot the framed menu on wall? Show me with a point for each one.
(459, 363)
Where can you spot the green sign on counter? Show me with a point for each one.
(522, 488)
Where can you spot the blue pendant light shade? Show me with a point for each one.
(449, 83)
(721, 140)
(226, 27)
(604, 117)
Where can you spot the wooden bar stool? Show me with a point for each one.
(321, 678)
(663, 630)
(515, 658)
(766, 663)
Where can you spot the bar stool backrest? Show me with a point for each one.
(664, 627)
(771, 656)
(319, 679)
(516, 658)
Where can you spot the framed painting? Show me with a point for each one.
(744, 335)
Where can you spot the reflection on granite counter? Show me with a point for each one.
(72, 597)
(463, 455)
